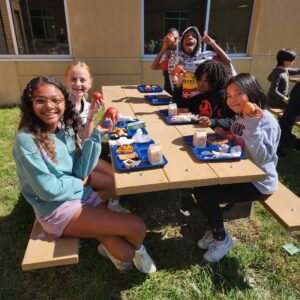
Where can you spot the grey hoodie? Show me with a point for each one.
(279, 88)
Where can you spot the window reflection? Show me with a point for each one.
(161, 15)
(40, 26)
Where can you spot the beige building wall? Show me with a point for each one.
(107, 36)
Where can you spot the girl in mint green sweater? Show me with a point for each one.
(54, 168)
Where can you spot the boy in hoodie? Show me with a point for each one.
(190, 56)
(279, 78)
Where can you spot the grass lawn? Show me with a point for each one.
(257, 268)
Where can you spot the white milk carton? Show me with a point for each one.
(172, 110)
(199, 139)
(155, 154)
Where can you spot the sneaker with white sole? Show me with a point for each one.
(120, 265)
(116, 206)
(218, 249)
(143, 262)
(206, 240)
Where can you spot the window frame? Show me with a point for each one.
(35, 57)
(150, 57)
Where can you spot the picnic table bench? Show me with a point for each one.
(279, 112)
(182, 171)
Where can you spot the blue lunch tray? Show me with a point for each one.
(160, 99)
(142, 151)
(164, 113)
(209, 147)
(155, 88)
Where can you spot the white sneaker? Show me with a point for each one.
(143, 261)
(120, 265)
(218, 249)
(116, 206)
(206, 240)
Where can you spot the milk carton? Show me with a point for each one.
(172, 110)
(155, 154)
(199, 139)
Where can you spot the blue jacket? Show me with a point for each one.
(45, 184)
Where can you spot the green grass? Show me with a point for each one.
(257, 268)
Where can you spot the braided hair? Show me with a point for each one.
(215, 72)
(31, 123)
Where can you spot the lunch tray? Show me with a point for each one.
(142, 151)
(209, 147)
(131, 132)
(159, 99)
(155, 88)
(167, 119)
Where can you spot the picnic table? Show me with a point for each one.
(183, 170)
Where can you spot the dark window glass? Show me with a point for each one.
(229, 24)
(40, 26)
(160, 15)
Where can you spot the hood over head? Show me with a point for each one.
(198, 37)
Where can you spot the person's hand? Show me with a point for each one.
(94, 108)
(109, 120)
(171, 42)
(207, 39)
(204, 120)
(220, 131)
(177, 79)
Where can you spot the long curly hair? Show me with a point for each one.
(216, 74)
(31, 123)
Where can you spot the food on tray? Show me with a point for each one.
(130, 163)
(163, 97)
(125, 156)
(136, 125)
(155, 154)
(120, 131)
(183, 110)
(217, 140)
(148, 87)
(248, 108)
(124, 148)
(199, 139)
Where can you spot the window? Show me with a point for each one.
(160, 15)
(228, 21)
(229, 24)
(35, 27)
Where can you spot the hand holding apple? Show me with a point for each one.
(251, 109)
(96, 96)
(179, 69)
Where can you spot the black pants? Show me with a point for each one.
(210, 197)
(290, 113)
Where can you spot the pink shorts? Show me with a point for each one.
(55, 223)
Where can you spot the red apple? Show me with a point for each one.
(98, 96)
(179, 69)
(112, 111)
(170, 38)
(148, 87)
(248, 108)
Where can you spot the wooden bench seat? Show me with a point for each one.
(279, 112)
(284, 205)
(46, 251)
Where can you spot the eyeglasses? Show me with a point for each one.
(42, 101)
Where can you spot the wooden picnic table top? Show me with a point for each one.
(183, 169)
(294, 79)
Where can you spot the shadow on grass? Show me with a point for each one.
(171, 241)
